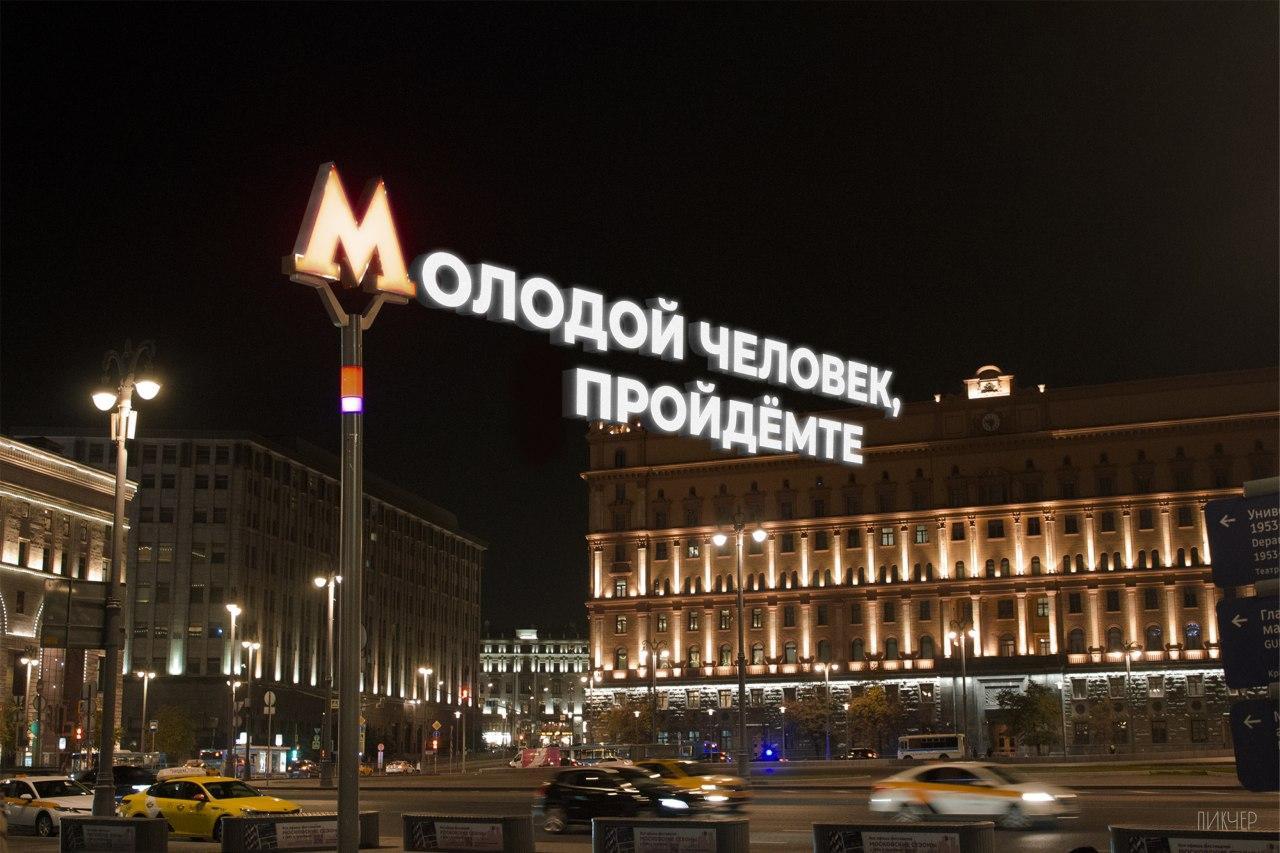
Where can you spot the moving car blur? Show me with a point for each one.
(971, 789)
(577, 795)
(719, 789)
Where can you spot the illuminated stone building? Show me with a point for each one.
(55, 524)
(235, 518)
(1063, 526)
(533, 689)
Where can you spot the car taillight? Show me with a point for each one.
(544, 789)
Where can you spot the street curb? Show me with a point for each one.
(865, 786)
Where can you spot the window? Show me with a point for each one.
(788, 543)
(619, 658)
(1075, 644)
(857, 650)
(1033, 525)
(619, 624)
(220, 481)
(756, 697)
(1006, 646)
(661, 626)
(725, 620)
(853, 538)
(995, 529)
(889, 612)
(1192, 637)
(1079, 688)
(144, 554)
(219, 515)
(1042, 606)
(1113, 601)
(1186, 517)
(1115, 640)
(922, 534)
(789, 616)
(820, 541)
(822, 614)
(197, 593)
(891, 648)
(1159, 732)
(167, 481)
(1155, 686)
(217, 554)
(725, 657)
(757, 654)
(927, 652)
(215, 595)
(1108, 522)
(1146, 519)
(1199, 730)
(693, 620)
(926, 611)
(695, 658)
(660, 551)
(143, 595)
(886, 536)
(1150, 598)
(619, 588)
(195, 631)
(1115, 686)
(855, 613)
(757, 617)
(147, 481)
(1195, 685)
(160, 632)
(693, 550)
(1004, 608)
(1080, 734)
(1189, 597)
(789, 654)
(164, 552)
(957, 531)
(1154, 638)
(1071, 524)
(146, 514)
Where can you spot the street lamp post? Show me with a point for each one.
(248, 707)
(328, 582)
(758, 534)
(1062, 700)
(28, 662)
(1131, 652)
(229, 765)
(457, 716)
(124, 423)
(652, 647)
(848, 738)
(146, 680)
(962, 631)
(827, 669)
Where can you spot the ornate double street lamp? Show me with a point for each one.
(328, 582)
(656, 655)
(962, 631)
(229, 764)
(248, 698)
(1132, 651)
(142, 737)
(123, 372)
(827, 669)
(758, 535)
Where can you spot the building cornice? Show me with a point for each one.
(40, 461)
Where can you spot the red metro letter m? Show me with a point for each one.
(329, 224)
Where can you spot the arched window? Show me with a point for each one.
(695, 657)
(928, 571)
(857, 650)
(726, 655)
(1036, 568)
(862, 575)
(1142, 559)
(959, 568)
(1116, 561)
(883, 575)
(757, 654)
(786, 581)
(1066, 564)
(893, 573)
(619, 459)
(789, 653)
(760, 581)
(1079, 562)
(1195, 557)
(719, 583)
(619, 658)
(891, 648)
(1004, 567)
(687, 586)
(1006, 645)
(1182, 557)
(1192, 636)
(1115, 639)
(1105, 563)
(990, 568)
(926, 647)
(1075, 641)
(666, 586)
(917, 574)
(824, 651)
(1154, 638)
(795, 580)
(697, 584)
(729, 582)
(826, 577)
(1155, 559)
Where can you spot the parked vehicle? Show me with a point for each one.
(577, 795)
(197, 804)
(400, 767)
(303, 769)
(40, 802)
(971, 789)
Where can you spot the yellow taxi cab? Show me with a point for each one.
(196, 804)
(718, 788)
(366, 769)
(971, 789)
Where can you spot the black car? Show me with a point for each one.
(583, 793)
(303, 769)
(127, 779)
(861, 752)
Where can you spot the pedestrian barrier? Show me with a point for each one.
(491, 833)
(972, 837)
(124, 834)
(312, 831)
(1218, 841)
(663, 835)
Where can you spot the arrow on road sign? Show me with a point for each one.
(1257, 748)
(1244, 539)
(1238, 620)
(1249, 656)
(1251, 721)
(1227, 520)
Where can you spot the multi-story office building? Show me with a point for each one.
(55, 528)
(1064, 527)
(534, 690)
(232, 518)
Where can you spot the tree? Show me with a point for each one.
(175, 734)
(627, 723)
(1035, 717)
(875, 718)
(808, 715)
(10, 719)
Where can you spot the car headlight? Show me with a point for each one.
(671, 803)
(1037, 797)
(717, 798)
(708, 787)
(140, 788)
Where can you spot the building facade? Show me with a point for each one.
(534, 690)
(56, 519)
(233, 518)
(1064, 528)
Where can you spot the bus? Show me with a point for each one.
(932, 746)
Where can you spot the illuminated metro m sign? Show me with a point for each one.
(579, 317)
(329, 224)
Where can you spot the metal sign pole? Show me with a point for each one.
(353, 583)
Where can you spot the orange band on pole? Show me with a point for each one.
(352, 383)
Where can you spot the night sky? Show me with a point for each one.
(1079, 193)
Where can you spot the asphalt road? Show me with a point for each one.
(780, 818)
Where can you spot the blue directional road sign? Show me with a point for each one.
(1250, 632)
(1244, 539)
(1255, 731)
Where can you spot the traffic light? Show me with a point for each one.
(466, 693)
(79, 733)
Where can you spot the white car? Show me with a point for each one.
(971, 789)
(400, 767)
(40, 802)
